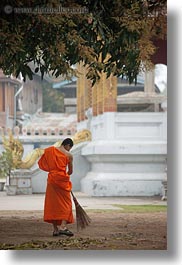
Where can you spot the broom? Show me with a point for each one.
(82, 219)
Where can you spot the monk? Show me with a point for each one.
(58, 161)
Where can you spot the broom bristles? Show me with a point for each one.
(82, 219)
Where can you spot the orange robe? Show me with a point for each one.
(58, 204)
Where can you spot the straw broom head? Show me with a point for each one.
(82, 219)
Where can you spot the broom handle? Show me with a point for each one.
(74, 198)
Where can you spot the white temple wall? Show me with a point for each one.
(126, 157)
(127, 154)
(132, 126)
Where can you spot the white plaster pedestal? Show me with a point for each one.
(127, 155)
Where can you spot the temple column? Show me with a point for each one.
(84, 99)
(94, 100)
(149, 86)
(81, 93)
(100, 98)
(88, 92)
(89, 89)
(104, 95)
(109, 93)
(78, 97)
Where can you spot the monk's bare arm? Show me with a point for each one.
(70, 165)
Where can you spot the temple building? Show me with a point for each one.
(128, 152)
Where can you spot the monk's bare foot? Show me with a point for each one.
(55, 233)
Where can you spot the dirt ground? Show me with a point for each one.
(109, 230)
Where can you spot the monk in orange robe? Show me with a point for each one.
(58, 205)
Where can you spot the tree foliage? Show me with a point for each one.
(57, 40)
(6, 164)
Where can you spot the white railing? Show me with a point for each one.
(40, 131)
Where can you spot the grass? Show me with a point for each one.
(141, 208)
(131, 209)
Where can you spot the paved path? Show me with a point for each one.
(36, 201)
